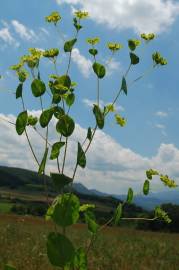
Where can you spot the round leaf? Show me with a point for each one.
(68, 46)
(81, 158)
(56, 149)
(38, 87)
(60, 180)
(99, 116)
(65, 125)
(19, 91)
(70, 99)
(134, 59)
(60, 250)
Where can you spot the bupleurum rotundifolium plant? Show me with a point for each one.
(65, 210)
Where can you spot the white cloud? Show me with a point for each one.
(7, 37)
(110, 167)
(161, 114)
(112, 66)
(160, 126)
(24, 32)
(89, 103)
(83, 63)
(139, 15)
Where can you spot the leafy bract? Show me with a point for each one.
(19, 91)
(81, 158)
(43, 162)
(68, 46)
(99, 116)
(21, 122)
(118, 214)
(120, 120)
(56, 149)
(130, 195)
(146, 187)
(45, 117)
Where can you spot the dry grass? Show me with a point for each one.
(22, 242)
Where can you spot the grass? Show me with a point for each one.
(5, 207)
(22, 243)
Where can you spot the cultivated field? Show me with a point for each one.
(22, 242)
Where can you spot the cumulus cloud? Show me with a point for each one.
(84, 64)
(24, 32)
(141, 16)
(110, 167)
(7, 37)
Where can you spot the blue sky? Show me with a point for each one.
(150, 137)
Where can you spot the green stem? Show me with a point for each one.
(64, 157)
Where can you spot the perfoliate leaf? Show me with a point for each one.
(118, 214)
(99, 116)
(38, 88)
(99, 70)
(43, 163)
(81, 158)
(60, 250)
(56, 150)
(146, 187)
(66, 210)
(130, 195)
(124, 85)
(19, 91)
(65, 125)
(93, 52)
(45, 117)
(120, 120)
(91, 222)
(89, 134)
(58, 112)
(32, 121)
(21, 122)
(133, 43)
(68, 46)
(134, 59)
(60, 180)
(70, 99)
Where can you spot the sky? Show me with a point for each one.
(118, 156)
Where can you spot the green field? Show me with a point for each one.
(5, 207)
(22, 242)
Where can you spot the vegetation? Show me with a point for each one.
(22, 244)
(65, 211)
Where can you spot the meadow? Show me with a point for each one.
(23, 238)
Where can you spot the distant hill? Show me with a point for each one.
(26, 180)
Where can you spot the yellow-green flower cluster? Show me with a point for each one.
(150, 173)
(167, 181)
(17, 67)
(133, 44)
(161, 214)
(51, 53)
(110, 108)
(120, 120)
(114, 46)
(81, 14)
(158, 59)
(54, 17)
(22, 74)
(93, 41)
(148, 37)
